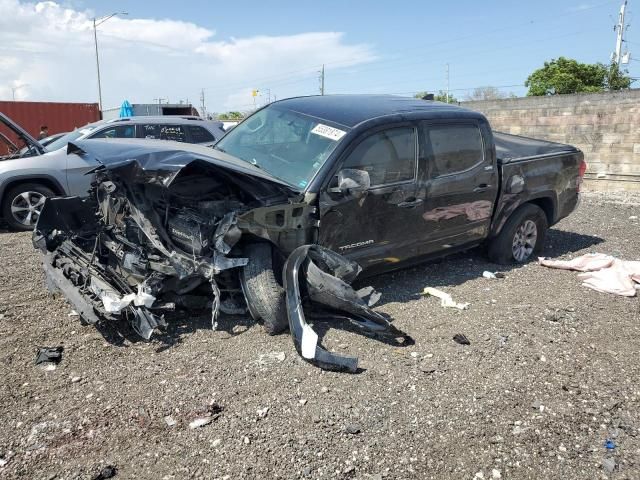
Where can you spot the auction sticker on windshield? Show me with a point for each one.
(328, 132)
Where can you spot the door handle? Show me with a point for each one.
(410, 203)
(482, 187)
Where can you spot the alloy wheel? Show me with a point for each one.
(524, 240)
(26, 207)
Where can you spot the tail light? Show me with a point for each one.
(581, 171)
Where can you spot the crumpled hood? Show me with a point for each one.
(160, 161)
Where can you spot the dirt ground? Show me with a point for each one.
(550, 375)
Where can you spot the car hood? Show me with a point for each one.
(20, 132)
(160, 161)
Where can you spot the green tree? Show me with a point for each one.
(441, 96)
(565, 75)
(231, 116)
(616, 79)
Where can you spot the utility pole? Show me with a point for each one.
(321, 78)
(447, 77)
(202, 107)
(617, 56)
(96, 23)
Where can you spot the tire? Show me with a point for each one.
(521, 237)
(23, 203)
(265, 296)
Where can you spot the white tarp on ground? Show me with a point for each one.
(603, 273)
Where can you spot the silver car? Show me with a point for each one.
(30, 172)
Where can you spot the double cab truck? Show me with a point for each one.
(292, 203)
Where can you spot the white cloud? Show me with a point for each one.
(50, 48)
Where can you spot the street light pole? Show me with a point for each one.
(95, 39)
(97, 22)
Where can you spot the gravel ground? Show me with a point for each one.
(550, 375)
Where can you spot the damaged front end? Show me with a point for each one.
(164, 231)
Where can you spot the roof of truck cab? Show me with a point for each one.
(351, 110)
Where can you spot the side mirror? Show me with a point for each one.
(352, 182)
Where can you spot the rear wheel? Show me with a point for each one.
(521, 237)
(23, 204)
(265, 296)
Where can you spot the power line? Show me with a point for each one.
(349, 62)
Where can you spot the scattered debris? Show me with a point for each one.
(609, 465)
(3, 462)
(271, 358)
(75, 379)
(609, 444)
(107, 472)
(302, 401)
(262, 412)
(461, 339)
(537, 405)
(246, 440)
(445, 299)
(49, 355)
(170, 421)
(73, 313)
(352, 429)
(200, 422)
(493, 275)
(495, 474)
(216, 442)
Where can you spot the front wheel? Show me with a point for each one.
(23, 204)
(521, 237)
(265, 296)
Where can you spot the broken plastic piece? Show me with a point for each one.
(325, 276)
(445, 299)
(461, 339)
(49, 355)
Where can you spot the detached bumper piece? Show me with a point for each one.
(321, 278)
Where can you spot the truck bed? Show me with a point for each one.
(514, 148)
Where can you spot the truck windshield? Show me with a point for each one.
(288, 145)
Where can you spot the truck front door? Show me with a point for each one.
(377, 228)
(462, 184)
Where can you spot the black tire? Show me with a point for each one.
(265, 296)
(31, 190)
(506, 248)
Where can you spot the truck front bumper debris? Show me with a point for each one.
(323, 278)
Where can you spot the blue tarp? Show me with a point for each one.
(126, 110)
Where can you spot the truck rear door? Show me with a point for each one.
(462, 183)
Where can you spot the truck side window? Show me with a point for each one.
(388, 156)
(454, 148)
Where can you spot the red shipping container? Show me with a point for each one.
(59, 117)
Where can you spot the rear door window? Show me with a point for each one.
(389, 156)
(453, 148)
(176, 133)
(200, 134)
(117, 131)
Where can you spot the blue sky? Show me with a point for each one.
(385, 47)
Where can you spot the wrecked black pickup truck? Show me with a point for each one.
(287, 209)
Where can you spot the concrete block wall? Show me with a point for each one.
(605, 126)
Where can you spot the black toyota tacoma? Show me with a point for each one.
(284, 212)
